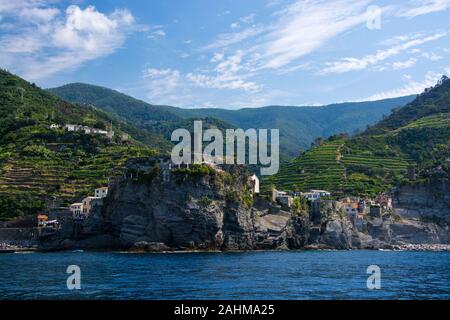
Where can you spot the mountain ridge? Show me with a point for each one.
(299, 125)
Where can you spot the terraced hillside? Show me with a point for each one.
(318, 168)
(378, 159)
(38, 164)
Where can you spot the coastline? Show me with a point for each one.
(405, 247)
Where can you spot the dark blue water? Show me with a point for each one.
(250, 275)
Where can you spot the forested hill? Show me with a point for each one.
(298, 126)
(38, 163)
(416, 136)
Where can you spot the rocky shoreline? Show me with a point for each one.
(214, 212)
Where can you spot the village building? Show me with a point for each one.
(350, 205)
(89, 203)
(89, 130)
(71, 127)
(282, 197)
(286, 201)
(41, 220)
(76, 209)
(277, 193)
(314, 195)
(384, 200)
(101, 192)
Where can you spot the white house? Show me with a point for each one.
(101, 192)
(76, 209)
(255, 181)
(313, 195)
(71, 127)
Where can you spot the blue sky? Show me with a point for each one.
(231, 54)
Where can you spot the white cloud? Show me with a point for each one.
(46, 41)
(228, 39)
(227, 74)
(404, 64)
(161, 82)
(248, 19)
(351, 64)
(156, 32)
(421, 7)
(235, 25)
(39, 14)
(412, 87)
(305, 26)
(431, 56)
(299, 29)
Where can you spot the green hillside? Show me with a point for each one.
(38, 163)
(299, 126)
(416, 136)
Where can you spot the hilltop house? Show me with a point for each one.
(101, 192)
(314, 195)
(89, 130)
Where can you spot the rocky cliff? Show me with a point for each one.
(205, 208)
(426, 201)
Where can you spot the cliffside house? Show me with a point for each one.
(277, 193)
(89, 203)
(76, 209)
(41, 220)
(101, 192)
(350, 205)
(314, 195)
(255, 180)
(282, 197)
(384, 200)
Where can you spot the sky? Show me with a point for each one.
(230, 54)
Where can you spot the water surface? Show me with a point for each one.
(247, 275)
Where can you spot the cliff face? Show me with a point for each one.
(214, 209)
(190, 210)
(424, 200)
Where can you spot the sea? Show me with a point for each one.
(358, 274)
